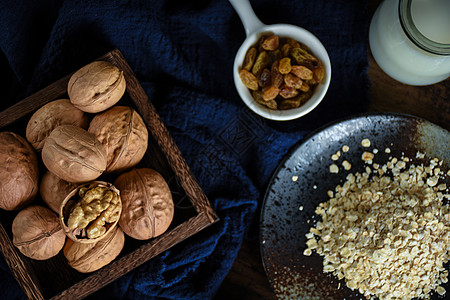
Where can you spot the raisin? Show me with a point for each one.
(296, 101)
(302, 72)
(248, 79)
(249, 59)
(288, 92)
(277, 78)
(303, 97)
(293, 81)
(270, 93)
(290, 103)
(285, 65)
(293, 43)
(257, 95)
(272, 104)
(264, 78)
(319, 73)
(305, 87)
(275, 55)
(271, 43)
(302, 57)
(286, 49)
(262, 61)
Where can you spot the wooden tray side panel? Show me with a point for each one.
(133, 260)
(33, 102)
(18, 267)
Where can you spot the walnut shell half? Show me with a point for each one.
(96, 86)
(50, 116)
(86, 258)
(90, 211)
(124, 135)
(37, 233)
(19, 173)
(74, 154)
(147, 205)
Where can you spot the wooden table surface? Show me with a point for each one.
(247, 279)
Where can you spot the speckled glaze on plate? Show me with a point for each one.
(288, 208)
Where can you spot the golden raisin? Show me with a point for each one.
(302, 72)
(302, 57)
(249, 59)
(270, 93)
(293, 43)
(290, 103)
(285, 65)
(319, 73)
(262, 61)
(272, 104)
(288, 92)
(271, 43)
(286, 49)
(258, 96)
(248, 79)
(293, 81)
(275, 55)
(305, 87)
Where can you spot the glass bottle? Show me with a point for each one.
(410, 40)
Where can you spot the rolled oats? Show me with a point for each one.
(386, 231)
(365, 143)
(334, 168)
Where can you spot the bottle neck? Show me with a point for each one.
(415, 35)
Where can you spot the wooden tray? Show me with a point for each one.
(53, 278)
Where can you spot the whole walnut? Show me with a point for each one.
(147, 205)
(90, 211)
(87, 258)
(54, 190)
(96, 86)
(124, 135)
(19, 172)
(37, 232)
(50, 116)
(73, 154)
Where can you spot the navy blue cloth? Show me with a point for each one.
(182, 53)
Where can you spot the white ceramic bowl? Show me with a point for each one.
(254, 29)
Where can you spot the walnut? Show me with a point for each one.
(50, 116)
(37, 233)
(54, 190)
(147, 203)
(90, 211)
(19, 173)
(74, 154)
(87, 258)
(124, 135)
(96, 87)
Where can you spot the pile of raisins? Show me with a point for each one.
(281, 72)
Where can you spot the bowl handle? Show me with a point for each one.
(247, 15)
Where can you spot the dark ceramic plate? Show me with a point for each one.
(288, 208)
